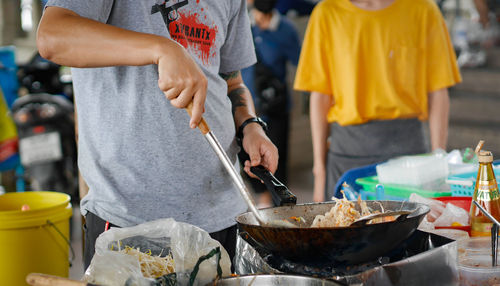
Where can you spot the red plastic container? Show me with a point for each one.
(462, 202)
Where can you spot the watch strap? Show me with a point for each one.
(258, 120)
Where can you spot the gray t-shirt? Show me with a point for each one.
(137, 153)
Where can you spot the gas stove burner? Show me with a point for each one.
(321, 269)
(418, 242)
(422, 253)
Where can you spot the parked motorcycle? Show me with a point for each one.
(42, 76)
(45, 123)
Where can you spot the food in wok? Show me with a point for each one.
(344, 213)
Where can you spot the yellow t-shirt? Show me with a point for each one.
(376, 65)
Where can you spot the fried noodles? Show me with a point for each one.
(344, 213)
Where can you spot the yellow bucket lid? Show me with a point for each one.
(43, 206)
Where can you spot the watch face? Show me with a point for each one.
(262, 123)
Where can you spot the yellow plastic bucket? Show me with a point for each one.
(35, 240)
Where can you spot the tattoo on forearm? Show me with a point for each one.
(236, 97)
(231, 75)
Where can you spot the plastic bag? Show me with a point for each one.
(437, 207)
(113, 268)
(186, 243)
(452, 214)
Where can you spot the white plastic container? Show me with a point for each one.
(413, 170)
(475, 271)
(474, 262)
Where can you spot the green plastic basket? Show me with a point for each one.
(398, 192)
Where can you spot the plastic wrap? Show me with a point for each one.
(427, 259)
(186, 243)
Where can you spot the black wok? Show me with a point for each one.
(338, 245)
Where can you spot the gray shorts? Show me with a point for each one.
(364, 144)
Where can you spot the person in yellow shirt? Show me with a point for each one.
(375, 69)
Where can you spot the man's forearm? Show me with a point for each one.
(68, 39)
(243, 107)
(260, 150)
(241, 99)
(439, 108)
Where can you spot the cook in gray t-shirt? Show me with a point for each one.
(136, 151)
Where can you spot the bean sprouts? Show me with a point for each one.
(152, 266)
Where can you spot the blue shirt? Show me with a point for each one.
(274, 48)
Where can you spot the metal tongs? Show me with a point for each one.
(494, 233)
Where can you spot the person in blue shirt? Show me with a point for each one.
(299, 7)
(276, 43)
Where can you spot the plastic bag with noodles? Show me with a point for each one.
(128, 256)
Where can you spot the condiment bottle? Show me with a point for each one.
(486, 194)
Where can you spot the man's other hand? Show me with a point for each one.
(260, 149)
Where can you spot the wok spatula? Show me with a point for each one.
(367, 218)
(236, 178)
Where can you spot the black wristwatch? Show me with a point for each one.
(239, 134)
